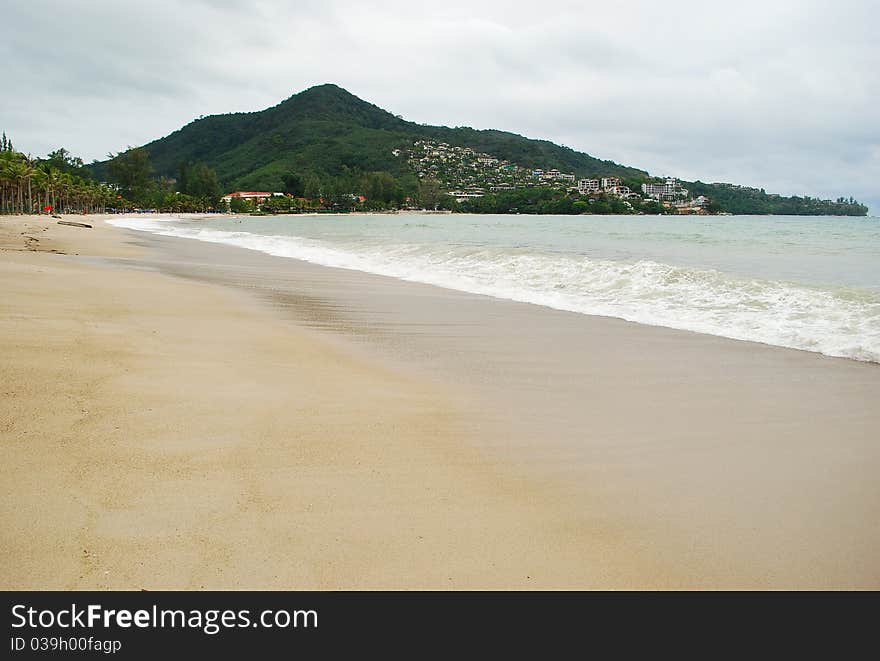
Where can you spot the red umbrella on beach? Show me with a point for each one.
(48, 208)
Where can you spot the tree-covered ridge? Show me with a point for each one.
(744, 200)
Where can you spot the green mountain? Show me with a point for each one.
(326, 130)
(329, 132)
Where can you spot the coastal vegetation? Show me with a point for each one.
(60, 182)
(744, 200)
(196, 187)
(57, 182)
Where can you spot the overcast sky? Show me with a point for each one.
(781, 94)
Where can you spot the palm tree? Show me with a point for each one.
(53, 181)
(6, 179)
(28, 172)
(17, 171)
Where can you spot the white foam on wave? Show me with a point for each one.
(836, 322)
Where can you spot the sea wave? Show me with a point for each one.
(842, 322)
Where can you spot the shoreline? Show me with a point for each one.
(570, 488)
(684, 322)
(443, 212)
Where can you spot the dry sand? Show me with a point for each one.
(156, 433)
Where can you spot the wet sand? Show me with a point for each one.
(500, 444)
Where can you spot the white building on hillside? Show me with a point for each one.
(587, 186)
(669, 190)
(618, 191)
(610, 182)
(555, 175)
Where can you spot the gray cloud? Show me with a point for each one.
(780, 95)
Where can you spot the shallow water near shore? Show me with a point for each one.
(799, 282)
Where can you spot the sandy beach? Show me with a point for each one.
(164, 434)
(177, 414)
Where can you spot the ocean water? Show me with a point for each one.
(803, 282)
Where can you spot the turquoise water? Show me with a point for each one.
(802, 282)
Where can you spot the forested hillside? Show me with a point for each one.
(331, 143)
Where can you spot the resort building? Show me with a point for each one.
(553, 175)
(621, 191)
(669, 190)
(696, 206)
(610, 182)
(587, 186)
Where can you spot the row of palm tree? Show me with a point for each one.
(28, 185)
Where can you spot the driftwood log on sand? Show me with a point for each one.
(72, 224)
